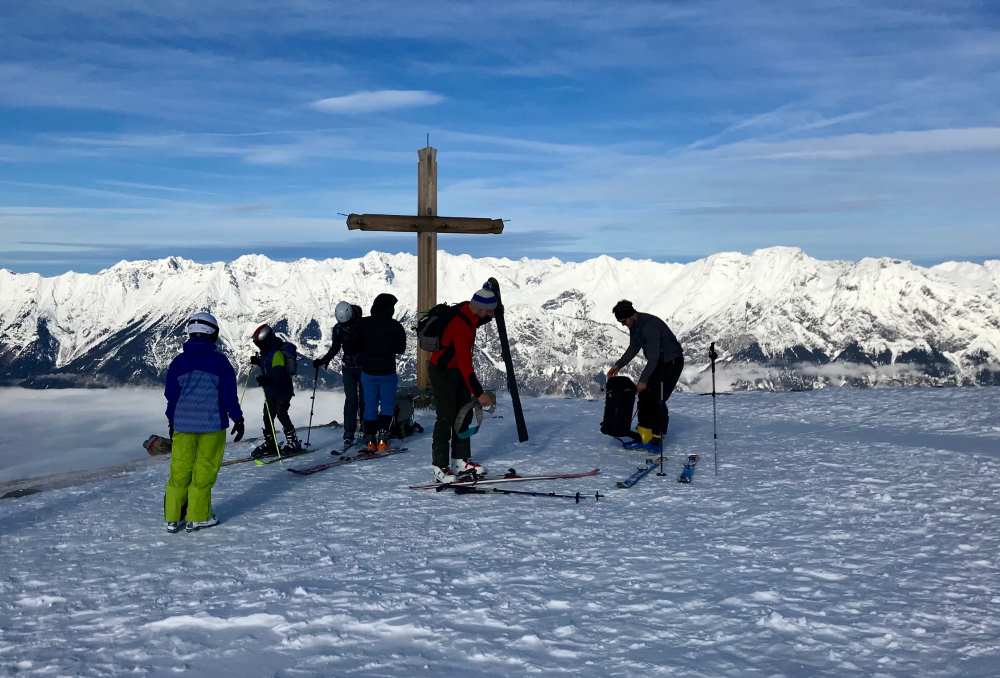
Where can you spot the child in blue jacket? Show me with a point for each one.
(201, 400)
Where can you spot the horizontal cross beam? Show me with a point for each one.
(401, 223)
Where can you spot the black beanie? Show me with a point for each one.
(623, 309)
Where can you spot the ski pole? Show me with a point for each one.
(312, 406)
(663, 432)
(712, 355)
(270, 421)
(245, 384)
(495, 490)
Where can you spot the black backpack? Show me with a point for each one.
(403, 425)
(431, 326)
(619, 401)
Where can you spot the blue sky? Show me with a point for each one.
(661, 130)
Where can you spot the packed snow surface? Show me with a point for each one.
(846, 533)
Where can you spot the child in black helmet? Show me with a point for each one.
(276, 380)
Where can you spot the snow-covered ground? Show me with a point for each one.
(847, 533)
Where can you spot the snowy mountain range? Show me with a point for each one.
(780, 319)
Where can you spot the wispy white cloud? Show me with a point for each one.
(153, 187)
(280, 147)
(370, 101)
(853, 146)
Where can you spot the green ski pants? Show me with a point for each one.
(450, 394)
(195, 459)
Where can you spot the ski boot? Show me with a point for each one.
(383, 441)
(369, 429)
(268, 448)
(469, 469)
(647, 442)
(195, 525)
(174, 526)
(292, 444)
(444, 474)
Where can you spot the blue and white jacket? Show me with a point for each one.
(201, 389)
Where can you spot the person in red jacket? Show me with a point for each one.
(455, 384)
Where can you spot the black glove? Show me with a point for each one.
(238, 429)
(264, 380)
(170, 428)
(255, 359)
(319, 362)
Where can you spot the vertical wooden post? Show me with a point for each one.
(426, 247)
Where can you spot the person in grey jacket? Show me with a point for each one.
(664, 362)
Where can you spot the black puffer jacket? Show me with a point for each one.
(346, 336)
(381, 337)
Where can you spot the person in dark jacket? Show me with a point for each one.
(664, 363)
(382, 338)
(346, 336)
(455, 384)
(201, 400)
(276, 380)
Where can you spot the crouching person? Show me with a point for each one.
(201, 399)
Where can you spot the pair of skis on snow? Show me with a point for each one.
(686, 476)
(511, 476)
(345, 458)
(285, 454)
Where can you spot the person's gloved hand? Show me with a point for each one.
(239, 430)
(263, 380)
(319, 362)
(255, 359)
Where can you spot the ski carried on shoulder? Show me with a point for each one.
(346, 459)
(638, 474)
(510, 477)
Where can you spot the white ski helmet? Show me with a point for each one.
(343, 312)
(202, 322)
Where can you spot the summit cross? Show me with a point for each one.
(426, 224)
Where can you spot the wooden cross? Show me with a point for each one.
(426, 224)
